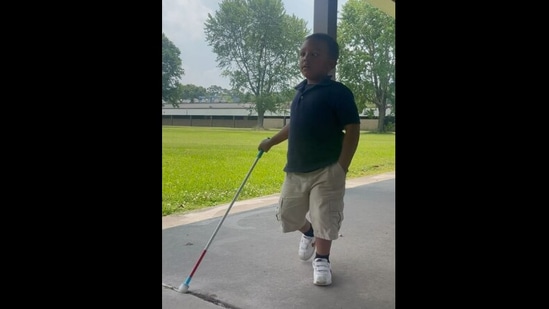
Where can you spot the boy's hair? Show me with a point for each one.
(333, 47)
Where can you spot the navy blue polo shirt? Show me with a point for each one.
(318, 115)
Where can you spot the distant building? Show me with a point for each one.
(233, 115)
(217, 109)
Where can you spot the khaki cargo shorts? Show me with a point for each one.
(320, 194)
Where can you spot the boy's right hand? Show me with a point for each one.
(265, 145)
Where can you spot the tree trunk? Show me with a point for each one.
(381, 120)
(260, 116)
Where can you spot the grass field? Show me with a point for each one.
(203, 167)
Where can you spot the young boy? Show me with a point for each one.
(322, 135)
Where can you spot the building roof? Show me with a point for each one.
(216, 109)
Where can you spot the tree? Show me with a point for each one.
(367, 58)
(191, 92)
(257, 46)
(171, 71)
(214, 92)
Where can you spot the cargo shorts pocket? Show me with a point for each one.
(291, 213)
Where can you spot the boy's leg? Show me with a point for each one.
(326, 204)
(304, 229)
(293, 208)
(323, 246)
(307, 242)
(293, 204)
(326, 211)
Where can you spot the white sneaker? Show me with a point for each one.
(306, 247)
(322, 272)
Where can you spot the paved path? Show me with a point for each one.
(251, 264)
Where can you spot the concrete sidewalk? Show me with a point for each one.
(251, 264)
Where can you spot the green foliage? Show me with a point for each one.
(203, 167)
(192, 92)
(367, 59)
(256, 44)
(370, 113)
(171, 70)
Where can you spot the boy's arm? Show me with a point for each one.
(350, 143)
(278, 138)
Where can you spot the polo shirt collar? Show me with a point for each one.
(326, 81)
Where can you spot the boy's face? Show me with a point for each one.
(314, 60)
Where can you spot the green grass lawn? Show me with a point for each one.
(203, 167)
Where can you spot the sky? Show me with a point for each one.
(183, 23)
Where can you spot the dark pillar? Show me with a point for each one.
(325, 19)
